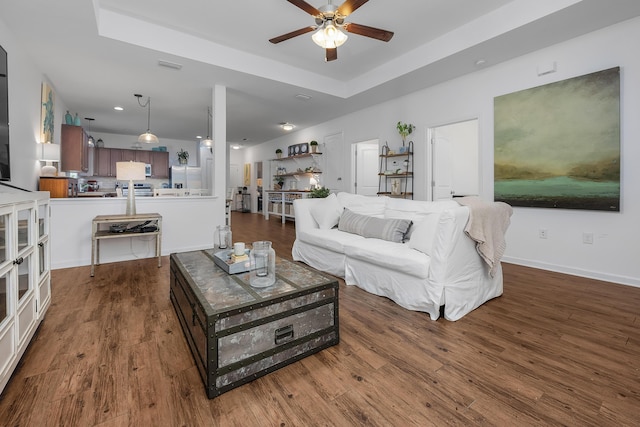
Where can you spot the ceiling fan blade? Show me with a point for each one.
(306, 7)
(291, 34)
(330, 54)
(349, 6)
(374, 33)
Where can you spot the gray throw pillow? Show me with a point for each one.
(390, 229)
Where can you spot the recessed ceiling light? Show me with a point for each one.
(118, 108)
(198, 137)
(303, 97)
(286, 126)
(235, 147)
(480, 62)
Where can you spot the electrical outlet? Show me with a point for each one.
(587, 238)
(543, 233)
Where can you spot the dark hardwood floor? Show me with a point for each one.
(553, 350)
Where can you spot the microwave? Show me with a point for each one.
(147, 169)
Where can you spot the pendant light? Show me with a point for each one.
(90, 139)
(147, 137)
(208, 142)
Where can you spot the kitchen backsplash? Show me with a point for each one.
(109, 184)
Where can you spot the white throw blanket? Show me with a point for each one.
(487, 225)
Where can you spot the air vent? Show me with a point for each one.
(168, 64)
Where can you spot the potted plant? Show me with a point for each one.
(183, 157)
(279, 153)
(404, 129)
(314, 146)
(319, 193)
(277, 183)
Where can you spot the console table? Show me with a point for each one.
(98, 233)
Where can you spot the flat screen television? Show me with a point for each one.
(5, 164)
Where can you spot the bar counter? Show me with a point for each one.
(188, 224)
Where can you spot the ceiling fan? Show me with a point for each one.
(329, 22)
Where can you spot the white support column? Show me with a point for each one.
(219, 101)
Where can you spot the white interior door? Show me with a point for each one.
(441, 166)
(455, 161)
(366, 168)
(235, 176)
(332, 162)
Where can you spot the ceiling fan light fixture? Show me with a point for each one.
(329, 36)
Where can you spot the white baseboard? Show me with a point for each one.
(623, 280)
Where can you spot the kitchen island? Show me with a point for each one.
(188, 223)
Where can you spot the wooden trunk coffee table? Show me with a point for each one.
(238, 333)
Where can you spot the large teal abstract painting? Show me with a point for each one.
(558, 145)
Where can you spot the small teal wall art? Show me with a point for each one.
(46, 114)
(558, 145)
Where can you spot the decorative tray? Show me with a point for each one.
(224, 260)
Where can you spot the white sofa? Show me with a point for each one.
(436, 265)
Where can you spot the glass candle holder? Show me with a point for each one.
(263, 265)
(224, 236)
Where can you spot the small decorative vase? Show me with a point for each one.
(182, 161)
(77, 121)
(68, 118)
(279, 155)
(224, 236)
(263, 265)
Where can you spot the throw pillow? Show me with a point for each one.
(392, 230)
(326, 212)
(424, 233)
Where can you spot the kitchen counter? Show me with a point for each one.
(98, 194)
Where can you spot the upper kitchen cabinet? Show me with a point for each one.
(159, 164)
(74, 149)
(143, 156)
(102, 162)
(105, 160)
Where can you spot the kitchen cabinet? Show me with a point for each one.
(74, 149)
(105, 160)
(143, 156)
(59, 186)
(127, 155)
(159, 164)
(25, 281)
(102, 162)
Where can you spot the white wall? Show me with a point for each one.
(25, 86)
(614, 252)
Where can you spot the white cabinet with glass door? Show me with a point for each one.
(24, 285)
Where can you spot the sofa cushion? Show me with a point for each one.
(332, 239)
(389, 255)
(424, 233)
(327, 213)
(365, 205)
(392, 230)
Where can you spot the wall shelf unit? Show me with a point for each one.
(296, 172)
(281, 203)
(395, 178)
